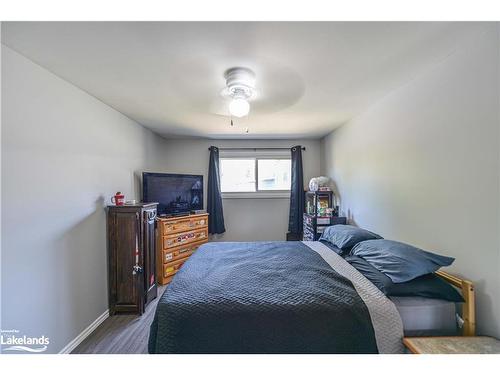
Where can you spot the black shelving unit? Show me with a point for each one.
(314, 221)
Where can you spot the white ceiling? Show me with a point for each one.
(311, 77)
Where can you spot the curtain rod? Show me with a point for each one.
(256, 148)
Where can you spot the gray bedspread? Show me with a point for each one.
(272, 297)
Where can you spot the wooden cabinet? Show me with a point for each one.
(178, 238)
(132, 257)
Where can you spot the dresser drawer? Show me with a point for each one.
(172, 268)
(180, 252)
(186, 238)
(184, 224)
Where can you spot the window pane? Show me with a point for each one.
(274, 174)
(237, 175)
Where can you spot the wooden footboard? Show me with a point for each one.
(469, 307)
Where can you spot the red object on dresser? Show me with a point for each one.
(118, 199)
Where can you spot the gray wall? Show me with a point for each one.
(246, 219)
(64, 153)
(422, 166)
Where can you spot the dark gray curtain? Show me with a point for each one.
(214, 204)
(295, 218)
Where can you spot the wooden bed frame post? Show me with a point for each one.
(468, 309)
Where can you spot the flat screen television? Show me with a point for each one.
(176, 193)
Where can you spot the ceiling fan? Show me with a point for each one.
(240, 88)
(277, 88)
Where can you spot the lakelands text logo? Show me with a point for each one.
(12, 340)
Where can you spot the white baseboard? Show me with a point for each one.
(85, 333)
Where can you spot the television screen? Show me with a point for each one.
(175, 193)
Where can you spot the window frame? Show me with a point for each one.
(256, 156)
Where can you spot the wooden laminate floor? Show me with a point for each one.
(121, 334)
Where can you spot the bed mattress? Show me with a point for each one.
(426, 316)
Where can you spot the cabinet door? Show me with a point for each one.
(126, 285)
(149, 243)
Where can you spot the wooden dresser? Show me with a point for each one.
(178, 237)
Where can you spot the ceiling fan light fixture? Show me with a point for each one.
(239, 107)
(240, 84)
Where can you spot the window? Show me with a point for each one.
(237, 175)
(255, 176)
(274, 174)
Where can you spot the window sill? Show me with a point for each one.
(257, 195)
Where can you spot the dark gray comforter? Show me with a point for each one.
(260, 297)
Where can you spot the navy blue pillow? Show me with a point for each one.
(346, 236)
(377, 278)
(399, 261)
(429, 286)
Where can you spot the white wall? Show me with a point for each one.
(246, 219)
(64, 153)
(422, 166)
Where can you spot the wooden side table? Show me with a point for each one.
(453, 345)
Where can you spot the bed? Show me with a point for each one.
(274, 297)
